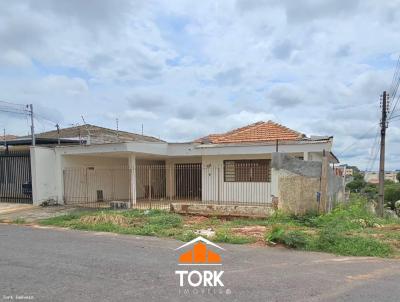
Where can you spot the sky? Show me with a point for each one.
(185, 69)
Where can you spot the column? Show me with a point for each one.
(132, 171)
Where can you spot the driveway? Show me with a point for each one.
(10, 212)
(48, 264)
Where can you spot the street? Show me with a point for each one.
(47, 264)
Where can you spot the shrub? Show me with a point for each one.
(333, 242)
(392, 194)
(276, 234)
(293, 239)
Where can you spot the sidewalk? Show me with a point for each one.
(10, 212)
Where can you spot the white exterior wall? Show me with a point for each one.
(111, 175)
(215, 189)
(44, 179)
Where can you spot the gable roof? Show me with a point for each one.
(98, 135)
(257, 132)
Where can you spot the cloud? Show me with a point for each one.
(148, 102)
(190, 69)
(229, 77)
(139, 114)
(73, 86)
(285, 95)
(283, 50)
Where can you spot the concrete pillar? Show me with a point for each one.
(324, 184)
(305, 156)
(132, 170)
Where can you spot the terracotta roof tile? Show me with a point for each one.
(257, 132)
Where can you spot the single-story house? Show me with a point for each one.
(233, 167)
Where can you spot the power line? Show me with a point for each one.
(364, 135)
(394, 87)
(374, 152)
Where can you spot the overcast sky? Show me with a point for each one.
(189, 68)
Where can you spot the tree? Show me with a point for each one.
(392, 194)
(398, 176)
(357, 184)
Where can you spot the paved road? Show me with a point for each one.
(66, 265)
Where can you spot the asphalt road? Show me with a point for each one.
(64, 265)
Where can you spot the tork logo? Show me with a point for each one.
(199, 256)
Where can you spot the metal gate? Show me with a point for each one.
(15, 177)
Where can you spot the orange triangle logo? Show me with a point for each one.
(200, 253)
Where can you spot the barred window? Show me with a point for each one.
(254, 170)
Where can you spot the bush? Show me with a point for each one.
(296, 239)
(392, 194)
(293, 239)
(333, 242)
(276, 234)
(344, 217)
(357, 184)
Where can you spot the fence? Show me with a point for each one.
(15, 177)
(158, 185)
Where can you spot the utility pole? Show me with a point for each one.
(58, 134)
(116, 120)
(381, 195)
(32, 125)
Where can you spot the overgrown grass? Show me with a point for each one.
(19, 221)
(348, 230)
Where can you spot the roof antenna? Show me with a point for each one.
(87, 129)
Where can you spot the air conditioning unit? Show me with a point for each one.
(119, 205)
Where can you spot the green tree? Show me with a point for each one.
(392, 194)
(357, 184)
(398, 176)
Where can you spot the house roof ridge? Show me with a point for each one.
(301, 135)
(258, 131)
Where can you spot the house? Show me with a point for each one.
(230, 168)
(15, 155)
(372, 177)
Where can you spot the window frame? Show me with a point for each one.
(238, 173)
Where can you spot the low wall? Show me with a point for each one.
(222, 210)
(305, 186)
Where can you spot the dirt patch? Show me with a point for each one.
(189, 220)
(256, 231)
(390, 227)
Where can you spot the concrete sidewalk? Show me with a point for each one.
(10, 212)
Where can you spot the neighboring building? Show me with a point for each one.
(372, 177)
(344, 172)
(5, 138)
(15, 157)
(234, 167)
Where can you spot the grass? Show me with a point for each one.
(19, 221)
(348, 230)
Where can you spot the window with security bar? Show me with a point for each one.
(253, 170)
